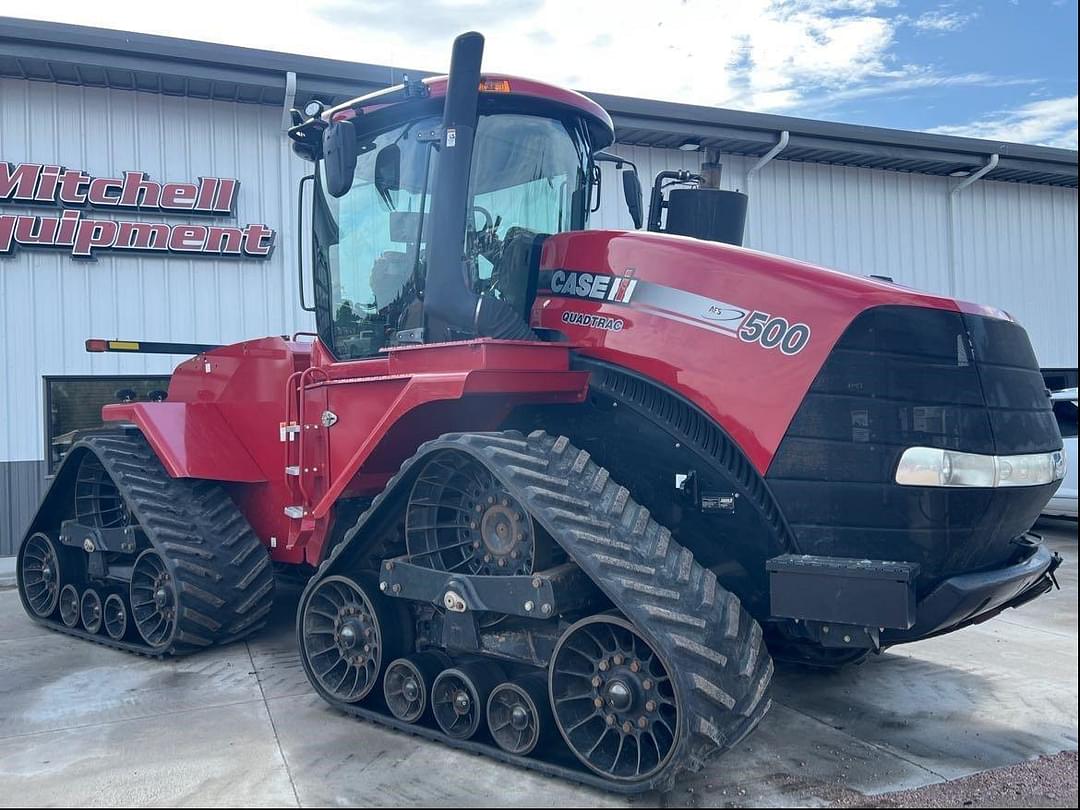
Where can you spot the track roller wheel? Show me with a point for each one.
(347, 631)
(90, 610)
(518, 716)
(407, 683)
(115, 614)
(459, 695)
(153, 600)
(69, 605)
(614, 700)
(39, 574)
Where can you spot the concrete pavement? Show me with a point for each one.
(84, 725)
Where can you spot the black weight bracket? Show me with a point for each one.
(538, 596)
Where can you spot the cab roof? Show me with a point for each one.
(493, 84)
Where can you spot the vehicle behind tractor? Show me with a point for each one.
(560, 496)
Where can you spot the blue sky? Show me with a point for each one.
(1004, 70)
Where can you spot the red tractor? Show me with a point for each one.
(560, 495)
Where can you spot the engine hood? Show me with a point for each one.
(740, 333)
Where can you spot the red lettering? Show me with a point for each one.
(71, 183)
(224, 240)
(91, 234)
(188, 238)
(253, 240)
(98, 193)
(43, 234)
(19, 181)
(46, 189)
(207, 189)
(226, 196)
(179, 195)
(69, 220)
(143, 236)
(136, 184)
(7, 230)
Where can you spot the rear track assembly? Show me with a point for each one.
(187, 573)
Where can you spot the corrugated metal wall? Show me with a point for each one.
(50, 303)
(1015, 246)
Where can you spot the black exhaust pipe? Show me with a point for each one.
(451, 308)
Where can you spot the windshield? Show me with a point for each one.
(529, 180)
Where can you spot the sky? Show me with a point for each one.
(1004, 70)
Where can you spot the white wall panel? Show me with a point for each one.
(50, 303)
(1015, 245)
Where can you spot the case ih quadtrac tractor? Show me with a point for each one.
(562, 495)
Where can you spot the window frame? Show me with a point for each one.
(47, 381)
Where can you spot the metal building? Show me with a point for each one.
(991, 222)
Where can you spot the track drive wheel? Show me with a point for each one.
(39, 574)
(347, 631)
(614, 699)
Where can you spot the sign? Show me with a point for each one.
(35, 184)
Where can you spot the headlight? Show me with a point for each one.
(936, 467)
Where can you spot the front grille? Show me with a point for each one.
(902, 377)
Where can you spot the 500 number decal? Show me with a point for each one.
(774, 332)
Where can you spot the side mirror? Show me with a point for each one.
(339, 157)
(631, 184)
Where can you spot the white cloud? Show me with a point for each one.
(797, 56)
(943, 20)
(1050, 122)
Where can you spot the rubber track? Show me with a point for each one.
(222, 573)
(714, 649)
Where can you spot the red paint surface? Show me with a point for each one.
(752, 392)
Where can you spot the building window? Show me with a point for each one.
(74, 403)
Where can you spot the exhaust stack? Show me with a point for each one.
(452, 309)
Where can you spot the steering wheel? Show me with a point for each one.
(488, 219)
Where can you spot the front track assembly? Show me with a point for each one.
(636, 664)
(124, 555)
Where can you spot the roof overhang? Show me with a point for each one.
(94, 57)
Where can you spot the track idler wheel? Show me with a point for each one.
(518, 715)
(614, 700)
(115, 615)
(407, 684)
(461, 518)
(39, 574)
(348, 630)
(153, 600)
(459, 697)
(90, 610)
(69, 606)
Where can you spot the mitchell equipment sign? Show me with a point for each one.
(71, 189)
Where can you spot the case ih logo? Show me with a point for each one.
(43, 184)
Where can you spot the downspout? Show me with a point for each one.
(763, 161)
(290, 100)
(954, 258)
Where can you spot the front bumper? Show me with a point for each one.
(874, 603)
(972, 598)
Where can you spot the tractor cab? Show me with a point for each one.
(431, 203)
